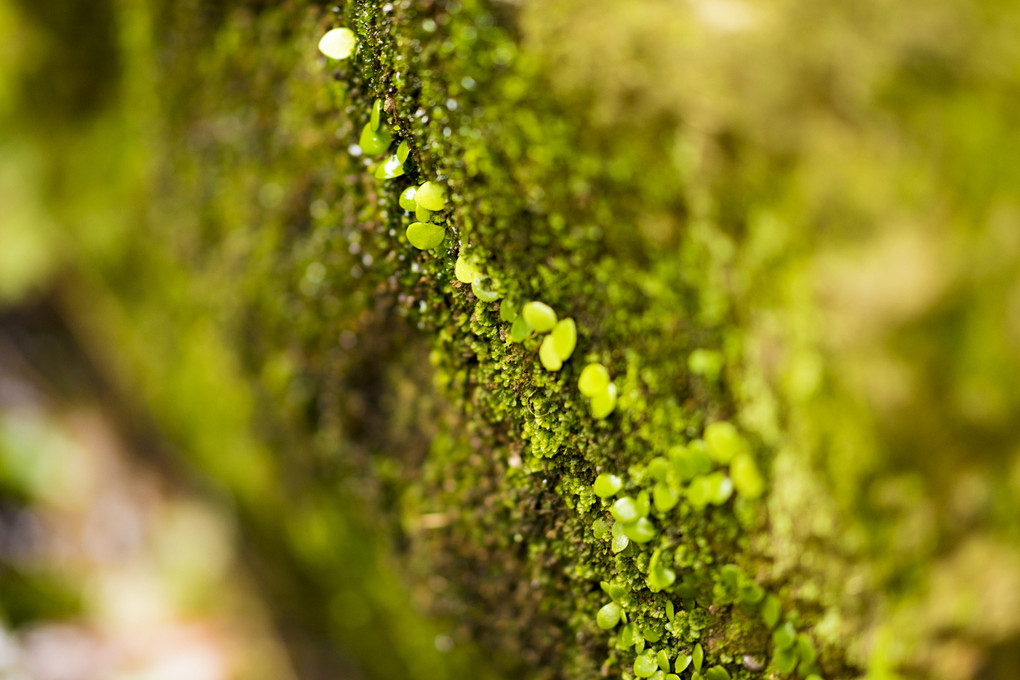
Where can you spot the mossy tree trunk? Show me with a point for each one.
(790, 233)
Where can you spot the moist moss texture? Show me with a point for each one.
(790, 232)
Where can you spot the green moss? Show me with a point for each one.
(725, 243)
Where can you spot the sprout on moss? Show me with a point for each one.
(771, 611)
(564, 338)
(390, 169)
(715, 488)
(806, 650)
(374, 142)
(717, 673)
(645, 665)
(784, 660)
(660, 576)
(616, 591)
(665, 497)
(608, 616)
(425, 235)
(403, 150)
(375, 120)
(607, 485)
(691, 460)
(539, 316)
(603, 403)
(785, 636)
(698, 657)
(663, 660)
(465, 270)
(620, 540)
(548, 355)
(508, 311)
(746, 479)
(628, 636)
(682, 662)
(431, 196)
(486, 289)
(406, 199)
(338, 43)
(639, 531)
(724, 442)
(519, 330)
(594, 380)
(624, 510)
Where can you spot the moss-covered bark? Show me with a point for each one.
(798, 219)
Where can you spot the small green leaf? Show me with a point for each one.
(402, 151)
(717, 673)
(698, 657)
(640, 531)
(539, 316)
(486, 289)
(682, 662)
(785, 660)
(724, 442)
(548, 355)
(660, 578)
(406, 200)
(464, 269)
(508, 311)
(519, 330)
(375, 120)
(374, 142)
(806, 650)
(422, 214)
(594, 380)
(603, 403)
(663, 660)
(749, 592)
(607, 485)
(425, 235)
(620, 540)
(785, 636)
(665, 497)
(390, 169)
(658, 468)
(431, 196)
(691, 460)
(608, 616)
(624, 510)
(645, 665)
(670, 611)
(771, 611)
(746, 479)
(628, 636)
(564, 338)
(338, 43)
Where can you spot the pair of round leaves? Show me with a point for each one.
(558, 345)
(430, 196)
(338, 43)
(394, 165)
(595, 384)
(484, 287)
